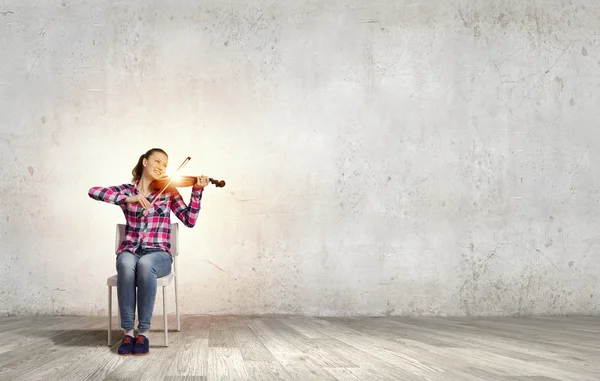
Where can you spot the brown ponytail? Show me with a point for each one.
(139, 167)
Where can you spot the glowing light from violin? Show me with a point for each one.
(170, 172)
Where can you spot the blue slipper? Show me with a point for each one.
(127, 345)
(142, 346)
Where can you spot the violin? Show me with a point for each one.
(182, 182)
(169, 183)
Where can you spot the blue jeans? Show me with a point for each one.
(141, 270)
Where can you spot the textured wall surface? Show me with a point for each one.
(401, 157)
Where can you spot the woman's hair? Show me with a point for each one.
(139, 167)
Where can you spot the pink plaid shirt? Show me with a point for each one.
(151, 231)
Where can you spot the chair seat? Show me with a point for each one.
(160, 282)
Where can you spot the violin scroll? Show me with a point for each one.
(217, 183)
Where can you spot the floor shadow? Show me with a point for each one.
(77, 337)
(92, 338)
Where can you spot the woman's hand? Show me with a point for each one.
(201, 182)
(138, 199)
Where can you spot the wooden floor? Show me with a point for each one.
(300, 348)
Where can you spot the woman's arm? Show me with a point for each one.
(187, 214)
(116, 195)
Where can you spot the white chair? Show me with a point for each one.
(161, 282)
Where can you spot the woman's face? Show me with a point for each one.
(156, 165)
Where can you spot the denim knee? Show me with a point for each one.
(126, 264)
(145, 270)
(154, 265)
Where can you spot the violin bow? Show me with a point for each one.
(167, 184)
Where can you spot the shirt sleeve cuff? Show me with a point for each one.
(121, 199)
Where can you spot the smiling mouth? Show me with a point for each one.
(157, 172)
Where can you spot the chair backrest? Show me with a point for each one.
(174, 237)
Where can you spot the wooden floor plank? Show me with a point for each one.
(307, 370)
(250, 346)
(267, 371)
(224, 348)
(226, 364)
(192, 349)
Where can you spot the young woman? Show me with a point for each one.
(144, 255)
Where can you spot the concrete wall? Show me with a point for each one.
(404, 157)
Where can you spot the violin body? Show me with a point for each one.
(183, 182)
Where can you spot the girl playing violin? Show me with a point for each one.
(144, 255)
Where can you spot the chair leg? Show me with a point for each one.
(177, 307)
(137, 307)
(165, 316)
(109, 315)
